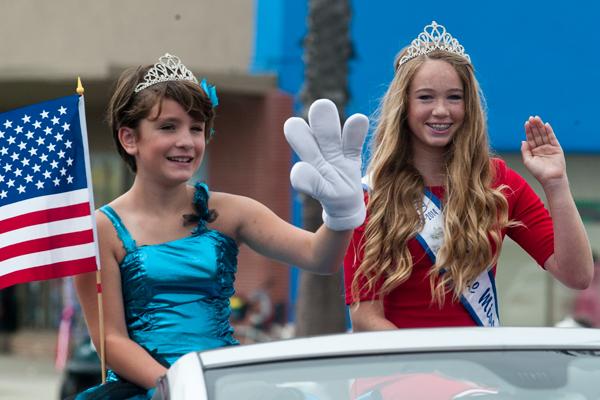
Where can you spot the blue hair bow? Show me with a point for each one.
(210, 91)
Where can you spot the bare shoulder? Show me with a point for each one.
(109, 242)
(103, 223)
(232, 211)
(231, 204)
(222, 199)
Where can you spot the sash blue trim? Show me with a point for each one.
(493, 281)
(476, 297)
(434, 198)
(425, 247)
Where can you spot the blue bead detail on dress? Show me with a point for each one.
(201, 195)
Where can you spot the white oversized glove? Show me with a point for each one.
(330, 170)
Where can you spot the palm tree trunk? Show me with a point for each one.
(327, 49)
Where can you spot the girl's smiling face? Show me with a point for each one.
(169, 145)
(436, 107)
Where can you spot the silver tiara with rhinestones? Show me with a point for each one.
(168, 68)
(434, 37)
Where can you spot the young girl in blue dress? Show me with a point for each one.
(168, 250)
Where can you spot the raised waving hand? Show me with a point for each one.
(330, 170)
(542, 154)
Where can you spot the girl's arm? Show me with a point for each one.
(123, 355)
(543, 156)
(330, 172)
(369, 316)
(262, 230)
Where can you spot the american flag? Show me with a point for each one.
(46, 202)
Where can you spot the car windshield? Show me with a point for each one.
(449, 375)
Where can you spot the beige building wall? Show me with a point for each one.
(47, 44)
(60, 39)
(528, 295)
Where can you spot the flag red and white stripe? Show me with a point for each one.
(46, 237)
(46, 198)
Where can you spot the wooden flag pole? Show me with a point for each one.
(80, 92)
(101, 326)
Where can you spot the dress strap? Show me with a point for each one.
(122, 232)
(201, 196)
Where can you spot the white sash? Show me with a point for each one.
(479, 298)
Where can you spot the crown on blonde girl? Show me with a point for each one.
(434, 37)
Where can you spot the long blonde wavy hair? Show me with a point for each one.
(474, 212)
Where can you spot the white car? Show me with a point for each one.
(445, 363)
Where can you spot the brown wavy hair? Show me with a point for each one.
(474, 212)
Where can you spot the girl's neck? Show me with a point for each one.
(159, 199)
(431, 164)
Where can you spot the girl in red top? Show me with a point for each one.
(412, 265)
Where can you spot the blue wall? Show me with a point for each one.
(532, 58)
(280, 30)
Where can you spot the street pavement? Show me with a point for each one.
(28, 378)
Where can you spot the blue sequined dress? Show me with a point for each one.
(176, 294)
